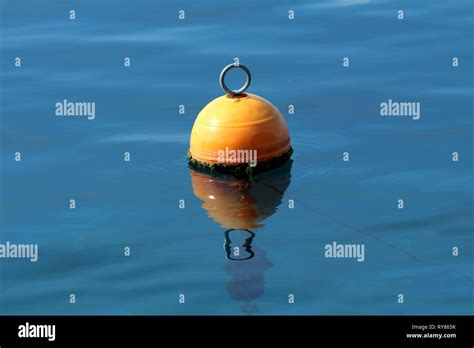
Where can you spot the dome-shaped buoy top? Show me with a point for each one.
(239, 133)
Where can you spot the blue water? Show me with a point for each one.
(180, 251)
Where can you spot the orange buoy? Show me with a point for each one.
(239, 133)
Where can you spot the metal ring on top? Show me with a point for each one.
(241, 90)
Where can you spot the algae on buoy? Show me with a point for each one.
(239, 133)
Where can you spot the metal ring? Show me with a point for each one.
(241, 90)
(247, 244)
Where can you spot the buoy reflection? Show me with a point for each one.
(240, 205)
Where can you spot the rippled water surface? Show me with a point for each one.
(185, 251)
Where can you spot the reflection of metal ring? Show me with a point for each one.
(240, 90)
(247, 245)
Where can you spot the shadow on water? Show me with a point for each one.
(240, 205)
